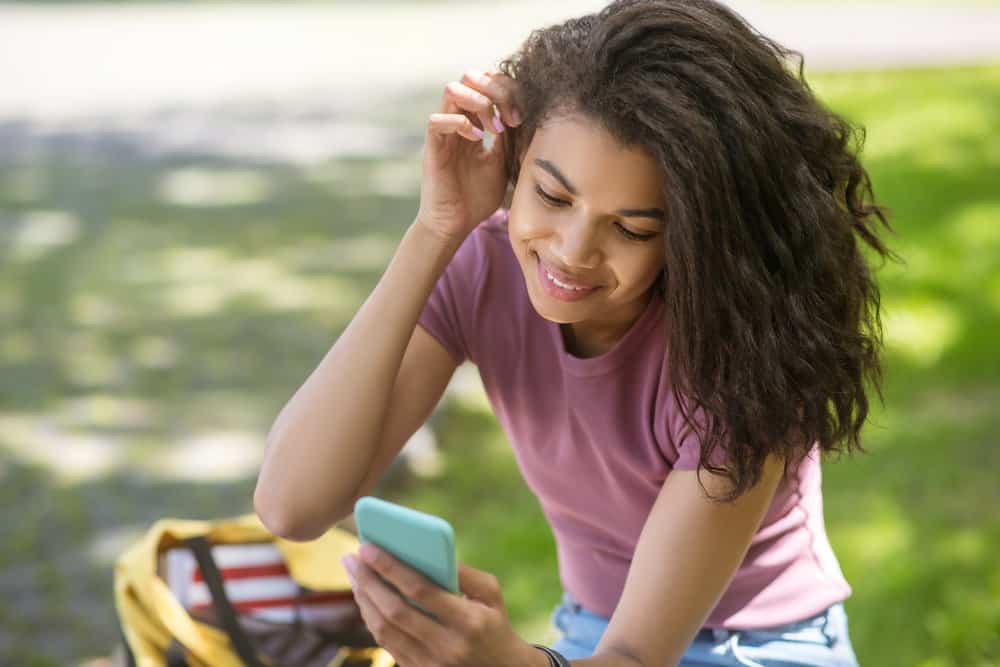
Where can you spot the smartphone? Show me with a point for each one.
(423, 541)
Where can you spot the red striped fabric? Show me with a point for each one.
(305, 601)
(246, 572)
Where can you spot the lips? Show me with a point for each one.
(565, 279)
(570, 290)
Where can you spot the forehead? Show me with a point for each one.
(594, 161)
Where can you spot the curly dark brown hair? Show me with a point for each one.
(772, 310)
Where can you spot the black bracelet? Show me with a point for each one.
(556, 659)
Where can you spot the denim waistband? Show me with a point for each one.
(717, 634)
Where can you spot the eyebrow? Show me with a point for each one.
(654, 213)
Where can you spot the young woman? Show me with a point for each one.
(658, 270)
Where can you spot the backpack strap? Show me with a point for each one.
(202, 551)
(174, 656)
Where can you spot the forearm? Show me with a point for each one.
(606, 659)
(324, 439)
(533, 657)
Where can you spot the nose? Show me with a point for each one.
(578, 245)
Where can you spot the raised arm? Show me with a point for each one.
(358, 406)
(383, 376)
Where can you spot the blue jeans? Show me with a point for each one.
(820, 641)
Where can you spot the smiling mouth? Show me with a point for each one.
(562, 284)
(559, 289)
(562, 280)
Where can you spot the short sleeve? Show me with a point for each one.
(449, 314)
(687, 438)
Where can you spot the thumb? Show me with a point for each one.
(480, 585)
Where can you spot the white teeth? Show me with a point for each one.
(563, 285)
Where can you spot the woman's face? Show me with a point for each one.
(586, 224)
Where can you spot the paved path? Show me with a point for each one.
(71, 60)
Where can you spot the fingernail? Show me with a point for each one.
(498, 124)
(479, 133)
(515, 116)
(369, 553)
(350, 564)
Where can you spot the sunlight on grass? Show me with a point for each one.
(977, 227)
(91, 309)
(102, 410)
(195, 300)
(154, 352)
(422, 455)
(965, 546)
(38, 232)
(466, 389)
(993, 289)
(395, 177)
(204, 280)
(881, 534)
(926, 132)
(214, 187)
(391, 176)
(71, 457)
(88, 359)
(368, 252)
(210, 456)
(922, 329)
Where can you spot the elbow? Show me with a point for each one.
(278, 522)
(275, 524)
(281, 526)
(291, 526)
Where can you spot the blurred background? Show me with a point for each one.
(196, 197)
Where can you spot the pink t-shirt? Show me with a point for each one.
(593, 440)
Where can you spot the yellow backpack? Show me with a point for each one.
(160, 632)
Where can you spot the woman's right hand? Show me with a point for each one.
(462, 182)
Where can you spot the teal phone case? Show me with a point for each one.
(423, 541)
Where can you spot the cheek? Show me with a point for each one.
(524, 227)
(643, 271)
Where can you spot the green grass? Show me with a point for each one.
(137, 315)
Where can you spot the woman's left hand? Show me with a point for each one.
(473, 630)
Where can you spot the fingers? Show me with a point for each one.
(390, 618)
(499, 88)
(445, 605)
(473, 102)
(443, 123)
(405, 649)
(481, 101)
(480, 585)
